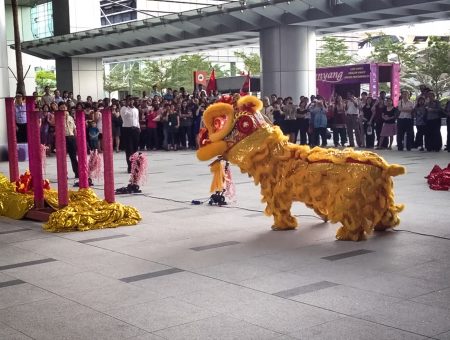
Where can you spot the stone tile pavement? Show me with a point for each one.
(201, 272)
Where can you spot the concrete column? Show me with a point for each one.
(82, 76)
(288, 61)
(4, 83)
(64, 78)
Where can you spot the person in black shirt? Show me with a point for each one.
(389, 129)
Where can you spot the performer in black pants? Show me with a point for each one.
(447, 113)
(71, 146)
(130, 129)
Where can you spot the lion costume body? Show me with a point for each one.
(354, 188)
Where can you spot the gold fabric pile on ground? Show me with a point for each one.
(84, 212)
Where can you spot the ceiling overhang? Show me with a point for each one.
(233, 24)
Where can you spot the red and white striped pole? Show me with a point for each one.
(61, 158)
(108, 159)
(34, 151)
(81, 149)
(12, 139)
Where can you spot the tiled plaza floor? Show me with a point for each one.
(201, 272)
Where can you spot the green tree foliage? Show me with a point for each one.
(334, 53)
(432, 66)
(141, 76)
(155, 72)
(45, 78)
(252, 62)
(116, 79)
(181, 70)
(385, 49)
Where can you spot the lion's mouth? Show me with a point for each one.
(208, 149)
(203, 138)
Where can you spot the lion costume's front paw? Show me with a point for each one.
(284, 221)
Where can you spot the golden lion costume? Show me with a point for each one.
(354, 188)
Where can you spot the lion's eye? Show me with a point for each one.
(219, 123)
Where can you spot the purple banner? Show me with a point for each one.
(395, 83)
(344, 74)
(374, 80)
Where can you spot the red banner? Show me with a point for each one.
(212, 84)
(200, 77)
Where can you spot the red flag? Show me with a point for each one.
(245, 89)
(212, 84)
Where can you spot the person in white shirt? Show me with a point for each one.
(405, 122)
(352, 112)
(130, 129)
(47, 98)
(267, 110)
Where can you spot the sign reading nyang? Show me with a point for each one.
(344, 74)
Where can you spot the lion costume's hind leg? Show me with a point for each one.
(352, 228)
(390, 218)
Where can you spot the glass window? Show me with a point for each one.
(115, 13)
(42, 20)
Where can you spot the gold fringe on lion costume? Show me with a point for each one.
(347, 186)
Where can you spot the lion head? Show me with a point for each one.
(226, 123)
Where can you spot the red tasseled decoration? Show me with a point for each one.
(439, 179)
(95, 166)
(139, 167)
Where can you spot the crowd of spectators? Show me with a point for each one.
(172, 120)
(158, 121)
(371, 122)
